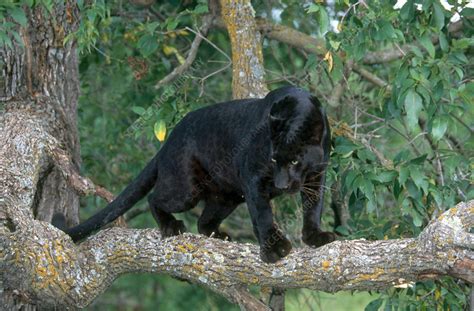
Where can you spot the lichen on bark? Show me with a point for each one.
(247, 58)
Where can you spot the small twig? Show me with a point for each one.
(191, 54)
(82, 185)
(156, 13)
(400, 49)
(215, 72)
(356, 122)
(418, 135)
(229, 63)
(210, 42)
(372, 77)
(366, 124)
(440, 169)
(462, 122)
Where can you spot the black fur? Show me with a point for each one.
(239, 151)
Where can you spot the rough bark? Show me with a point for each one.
(57, 272)
(41, 265)
(40, 77)
(247, 58)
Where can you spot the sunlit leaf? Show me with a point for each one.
(160, 130)
(168, 50)
(328, 58)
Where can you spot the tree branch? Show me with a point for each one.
(55, 269)
(207, 21)
(79, 273)
(82, 185)
(305, 42)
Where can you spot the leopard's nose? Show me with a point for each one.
(281, 184)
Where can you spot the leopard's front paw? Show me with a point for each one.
(275, 246)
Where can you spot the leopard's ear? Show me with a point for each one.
(282, 109)
(315, 101)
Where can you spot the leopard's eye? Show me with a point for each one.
(274, 161)
(294, 162)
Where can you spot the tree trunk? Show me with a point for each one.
(39, 80)
(247, 59)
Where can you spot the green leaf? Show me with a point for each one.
(436, 194)
(385, 177)
(374, 305)
(5, 40)
(402, 156)
(334, 44)
(338, 68)
(367, 188)
(403, 175)
(385, 31)
(371, 205)
(438, 16)
(349, 179)
(147, 45)
(201, 8)
(172, 24)
(459, 58)
(323, 21)
(417, 51)
(467, 94)
(419, 160)
(419, 179)
(413, 107)
(151, 27)
(417, 219)
(439, 127)
(138, 110)
(428, 45)
(407, 13)
(408, 209)
(18, 15)
(344, 147)
(313, 8)
(463, 43)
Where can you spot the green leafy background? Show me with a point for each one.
(420, 126)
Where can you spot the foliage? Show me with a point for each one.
(408, 158)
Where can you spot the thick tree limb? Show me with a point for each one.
(59, 268)
(307, 43)
(310, 44)
(57, 272)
